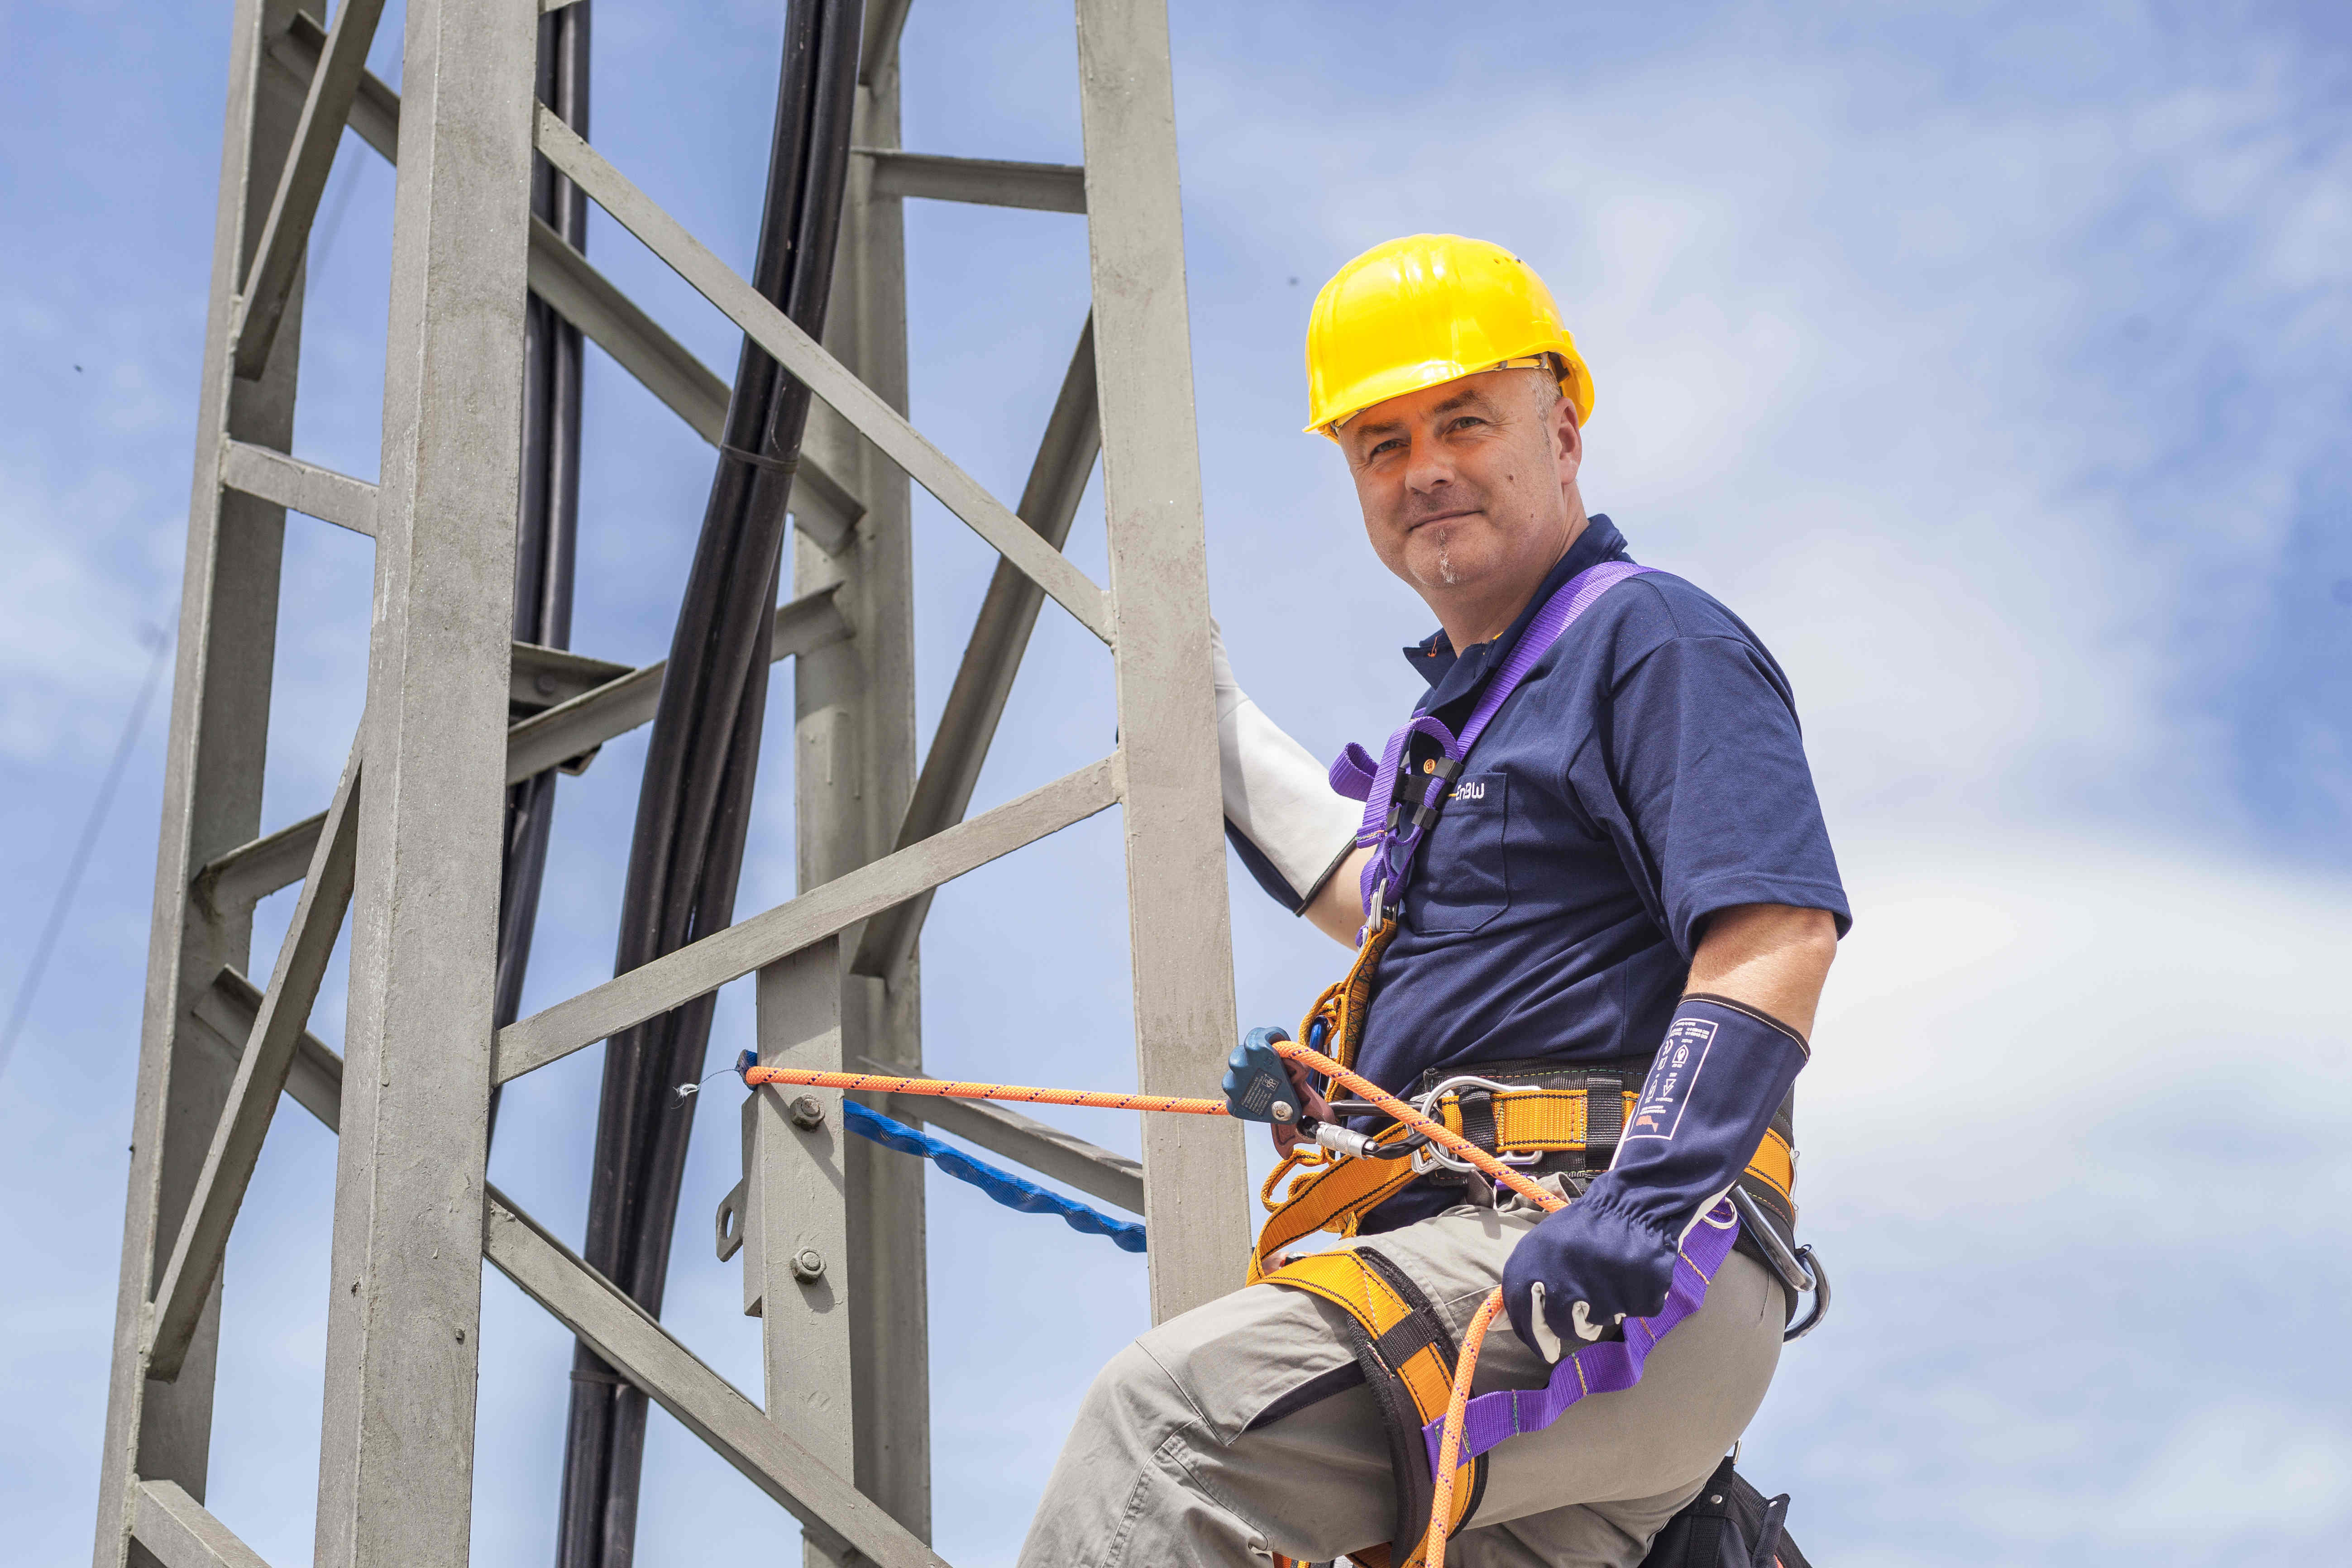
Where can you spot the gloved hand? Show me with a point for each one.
(1261, 1085)
(1291, 828)
(1722, 1072)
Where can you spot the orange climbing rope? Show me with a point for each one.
(1449, 1442)
(1474, 1338)
(1449, 1449)
(1453, 1143)
(955, 1089)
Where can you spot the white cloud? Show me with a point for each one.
(2244, 1466)
(2069, 1135)
(1866, 367)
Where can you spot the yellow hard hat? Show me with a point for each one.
(1426, 309)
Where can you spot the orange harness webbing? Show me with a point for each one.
(1411, 1366)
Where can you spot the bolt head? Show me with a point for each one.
(808, 1265)
(1281, 1109)
(545, 683)
(807, 1112)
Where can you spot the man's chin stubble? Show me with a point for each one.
(1440, 540)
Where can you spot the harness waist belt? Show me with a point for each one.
(1572, 1129)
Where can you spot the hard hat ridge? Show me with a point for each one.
(1426, 309)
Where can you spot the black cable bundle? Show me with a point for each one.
(694, 809)
(547, 530)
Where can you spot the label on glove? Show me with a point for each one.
(1668, 1090)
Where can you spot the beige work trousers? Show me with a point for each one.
(1161, 1471)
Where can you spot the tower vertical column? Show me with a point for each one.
(853, 773)
(212, 799)
(797, 1254)
(404, 1303)
(1179, 923)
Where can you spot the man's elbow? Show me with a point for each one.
(1813, 938)
(1782, 933)
(1773, 956)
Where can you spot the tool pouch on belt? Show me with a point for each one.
(1729, 1524)
(1407, 1355)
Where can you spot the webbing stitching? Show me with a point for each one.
(1372, 1303)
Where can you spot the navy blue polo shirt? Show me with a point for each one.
(1647, 773)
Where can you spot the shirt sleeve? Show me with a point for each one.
(1703, 783)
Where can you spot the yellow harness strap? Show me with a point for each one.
(1326, 1194)
(1407, 1355)
(1341, 1007)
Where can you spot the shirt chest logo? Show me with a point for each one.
(1469, 789)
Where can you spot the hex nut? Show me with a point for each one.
(808, 1266)
(807, 1112)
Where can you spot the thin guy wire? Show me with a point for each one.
(82, 851)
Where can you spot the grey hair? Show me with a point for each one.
(1549, 391)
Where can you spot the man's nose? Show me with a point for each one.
(1427, 467)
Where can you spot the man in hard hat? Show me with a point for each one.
(1621, 894)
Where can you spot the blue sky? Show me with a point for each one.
(1989, 359)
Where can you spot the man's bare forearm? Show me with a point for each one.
(1771, 957)
(1338, 908)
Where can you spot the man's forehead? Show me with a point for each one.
(1480, 388)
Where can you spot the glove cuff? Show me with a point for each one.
(1720, 1074)
(1614, 1200)
(1289, 826)
(1711, 1002)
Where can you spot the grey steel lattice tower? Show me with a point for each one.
(410, 843)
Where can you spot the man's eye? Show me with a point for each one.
(1466, 421)
(1382, 448)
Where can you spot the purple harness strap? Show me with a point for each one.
(1606, 1368)
(1355, 775)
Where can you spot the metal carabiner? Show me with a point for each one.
(1800, 1270)
(1431, 1156)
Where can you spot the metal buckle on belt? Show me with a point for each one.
(1430, 1155)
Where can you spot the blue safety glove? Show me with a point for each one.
(1724, 1069)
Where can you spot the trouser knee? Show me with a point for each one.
(1132, 1403)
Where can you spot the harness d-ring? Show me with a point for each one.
(1431, 1156)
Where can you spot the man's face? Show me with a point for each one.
(1468, 486)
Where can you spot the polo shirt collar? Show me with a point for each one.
(1453, 676)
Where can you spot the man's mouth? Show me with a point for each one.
(1420, 522)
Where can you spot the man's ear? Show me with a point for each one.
(1568, 441)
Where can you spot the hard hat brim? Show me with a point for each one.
(1575, 384)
